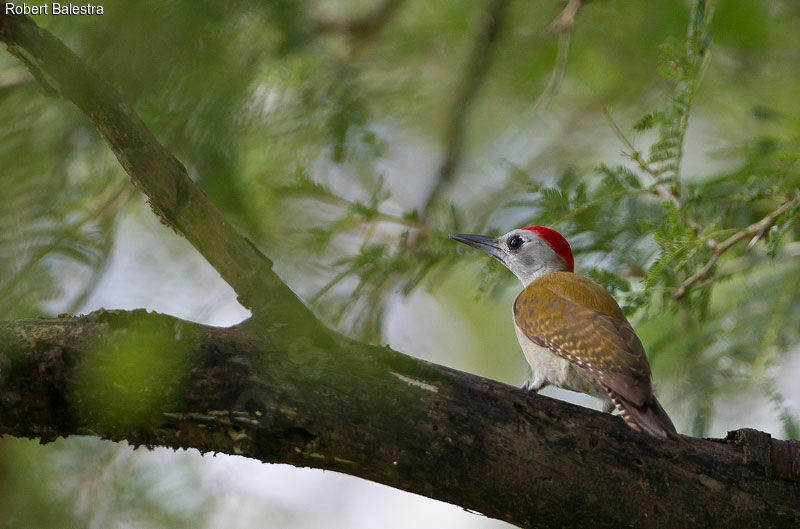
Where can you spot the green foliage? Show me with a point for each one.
(55, 211)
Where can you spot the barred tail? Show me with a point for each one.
(650, 417)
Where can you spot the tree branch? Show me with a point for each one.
(562, 26)
(656, 187)
(474, 75)
(456, 437)
(172, 195)
(376, 216)
(566, 18)
(755, 231)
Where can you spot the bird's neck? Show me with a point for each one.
(528, 276)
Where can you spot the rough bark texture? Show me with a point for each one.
(282, 388)
(375, 413)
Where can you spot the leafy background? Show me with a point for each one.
(647, 132)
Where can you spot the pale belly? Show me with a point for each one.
(549, 368)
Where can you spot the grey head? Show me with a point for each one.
(529, 253)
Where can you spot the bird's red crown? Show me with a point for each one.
(557, 242)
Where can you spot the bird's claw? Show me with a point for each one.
(532, 385)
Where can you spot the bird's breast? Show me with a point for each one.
(555, 370)
(546, 366)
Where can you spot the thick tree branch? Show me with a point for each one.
(160, 176)
(371, 412)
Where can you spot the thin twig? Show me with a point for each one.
(632, 153)
(755, 231)
(107, 206)
(566, 19)
(656, 187)
(558, 73)
(562, 26)
(474, 75)
(378, 216)
(574, 212)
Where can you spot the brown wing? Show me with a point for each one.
(568, 315)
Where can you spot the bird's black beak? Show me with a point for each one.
(488, 244)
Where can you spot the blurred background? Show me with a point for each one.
(346, 139)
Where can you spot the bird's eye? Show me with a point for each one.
(515, 242)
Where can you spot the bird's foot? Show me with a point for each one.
(533, 385)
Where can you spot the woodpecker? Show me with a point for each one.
(572, 332)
